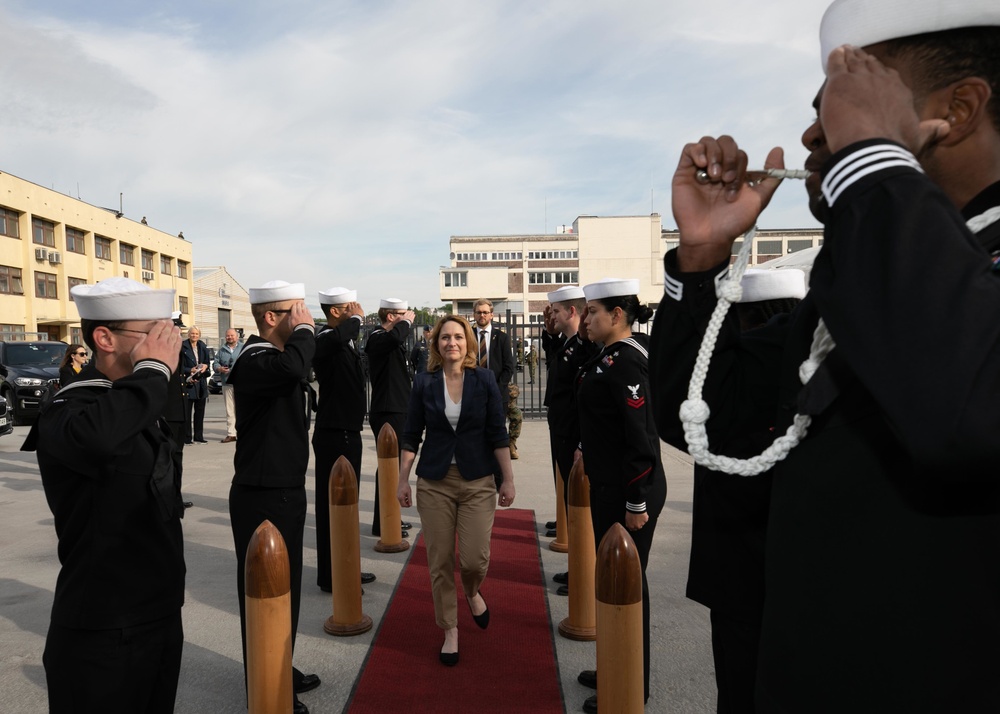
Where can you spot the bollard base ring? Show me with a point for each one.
(577, 632)
(383, 547)
(340, 630)
(558, 547)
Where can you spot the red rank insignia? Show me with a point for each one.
(634, 400)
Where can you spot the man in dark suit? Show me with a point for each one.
(493, 346)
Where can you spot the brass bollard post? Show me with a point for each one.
(560, 544)
(388, 481)
(620, 687)
(345, 554)
(269, 623)
(581, 624)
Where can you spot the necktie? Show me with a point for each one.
(483, 356)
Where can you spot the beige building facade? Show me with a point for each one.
(50, 242)
(517, 271)
(220, 302)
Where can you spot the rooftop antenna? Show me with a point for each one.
(546, 215)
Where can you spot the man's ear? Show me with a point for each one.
(104, 339)
(964, 105)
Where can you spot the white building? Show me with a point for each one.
(220, 303)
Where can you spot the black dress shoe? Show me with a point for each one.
(367, 578)
(200, 441)
(188, 442)
(551, 525)
(304, 682)
(449, 659)
(561, 578)
(588, 678)
(562, 590)
(405, 534)
(188, 504)
(326, 588)
(405, 526)
(551, 533)
(300, 708)
(590, 704)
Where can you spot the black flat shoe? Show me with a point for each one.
(562, 590)
(367, 578)
(405, 526)
(561, 578)
(448, 659)
(550, 525)
(299, 707)
(588, 678)
(551, 533)
(483, 620)
(590, 704)
(188, 504)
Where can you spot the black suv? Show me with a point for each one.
(29, 371)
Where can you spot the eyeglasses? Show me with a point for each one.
(124, 329)
(483, 312)
(280, 312)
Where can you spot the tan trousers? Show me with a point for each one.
(230, 397)
(448, 507)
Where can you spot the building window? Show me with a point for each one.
(102, 248)
(165, 266)
(796, 245)
(10, 280)
(74, 241)
(45, 286)
(147, 260)
(456, 279)
(737, 247)
(769, 247)
(126, 254)
(8, 223)
(76, 335)
(10, 333)
(182, 304)
(73, 282)
(182, 269)
(564, 277)
(43, 232)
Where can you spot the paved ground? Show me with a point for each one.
(211, 674)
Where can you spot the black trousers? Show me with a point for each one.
(122, 671)
(562, 448)
(198, 405)
(329, 445)
(249, 506)
(607, 507)
(735, 641)
(376, 420)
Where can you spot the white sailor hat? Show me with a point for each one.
(393, 304)
(276, 291)
(122, 299)
(611, 287)
(566, 292)
(337, 296)
(866, 22)
(772, 284)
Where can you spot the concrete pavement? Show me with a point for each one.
(211, 672)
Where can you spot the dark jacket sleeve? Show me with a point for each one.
(508, 366)
(909, 298)
(413, 429)
(274, 370)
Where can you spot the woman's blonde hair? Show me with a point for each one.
(434, 360)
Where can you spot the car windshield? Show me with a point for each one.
(30, 353)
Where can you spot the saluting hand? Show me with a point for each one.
(354, 310)
(299, 315)
(162, 343)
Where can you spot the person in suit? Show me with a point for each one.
(194, 365)
(272, 453)
(390, 378)
(115, 638)
(223, 363)
(458, 405)
(493, 352)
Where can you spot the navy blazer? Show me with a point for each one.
(481, 427)
(199, 390)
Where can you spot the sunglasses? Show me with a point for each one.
(80, 354)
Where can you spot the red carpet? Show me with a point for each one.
(509, 667)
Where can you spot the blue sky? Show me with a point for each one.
(343, 143)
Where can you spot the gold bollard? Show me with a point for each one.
(388, 481)
(581, 624)
(345, 554)
(269, 623)
(560, 544)
(620, 687)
